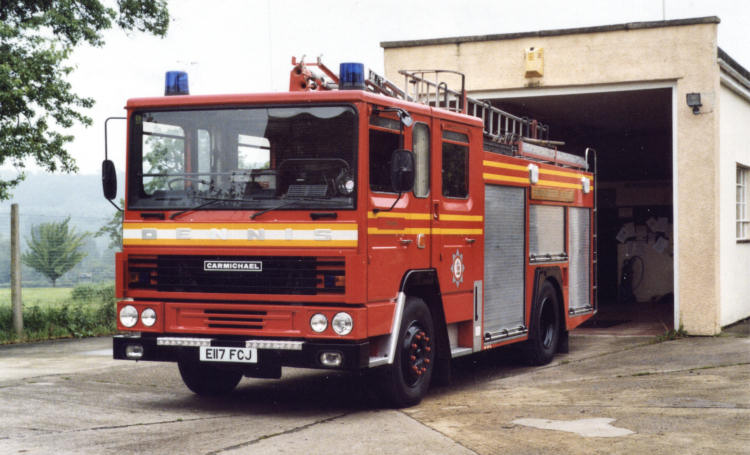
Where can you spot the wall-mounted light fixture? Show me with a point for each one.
(694, 101)
(534, 62)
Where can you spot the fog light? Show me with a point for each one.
(331, 359)
(134, 351)
(128, 316)
(148, 317)
(318, 322)
(342, 324)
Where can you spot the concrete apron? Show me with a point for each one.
(609, 395)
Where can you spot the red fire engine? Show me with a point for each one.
(348, 224)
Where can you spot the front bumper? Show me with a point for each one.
(306, 354)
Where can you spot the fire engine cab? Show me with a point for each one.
(348, 224)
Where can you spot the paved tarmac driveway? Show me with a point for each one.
(609, 395)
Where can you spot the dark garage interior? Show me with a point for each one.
(631, 130)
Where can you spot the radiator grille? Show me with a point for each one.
(237, 319)
(301, 275)
(234, 319)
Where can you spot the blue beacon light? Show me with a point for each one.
(351, 76)
(176, 83)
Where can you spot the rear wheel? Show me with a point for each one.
(408, 378)
(545, 327)
(208, 380)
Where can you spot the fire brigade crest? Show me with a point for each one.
(457, 268)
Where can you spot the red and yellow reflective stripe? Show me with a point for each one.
(241, 234)
(501, 177)
(426, 229)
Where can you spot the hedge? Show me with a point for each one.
(89, 312)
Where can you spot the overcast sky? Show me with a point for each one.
(240, 46)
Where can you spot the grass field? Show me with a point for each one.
(48, 313)
(38, 296)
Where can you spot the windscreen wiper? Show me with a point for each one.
(287, 204)
(209, 202)
(254, 215)
(199, 206)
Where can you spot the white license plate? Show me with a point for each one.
(221, 354)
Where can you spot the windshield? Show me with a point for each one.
(243, 158)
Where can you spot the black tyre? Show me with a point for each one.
(407, 380)
(544, 332)
(208, 380)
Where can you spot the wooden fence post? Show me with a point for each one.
(15, 271)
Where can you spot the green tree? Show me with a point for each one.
(54, 248)
(163, 156)
(4, 261)
(36, 101)
(113, 229)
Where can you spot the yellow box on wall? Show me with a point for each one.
(534, 62)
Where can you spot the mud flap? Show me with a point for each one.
(563, 343)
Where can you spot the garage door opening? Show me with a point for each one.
(632, 132)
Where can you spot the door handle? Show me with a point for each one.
(405, 241)
(470, 240)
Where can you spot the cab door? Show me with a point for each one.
(397, 235)
(457, 220)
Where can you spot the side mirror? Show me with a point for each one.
(109, 179)
(402, 170)
(405, 118)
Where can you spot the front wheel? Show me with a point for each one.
(545, 327)
(208, 380)
(408, 378)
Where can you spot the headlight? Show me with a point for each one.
(345, 183)
(342, 323)
(346, 187)
(128, 316)
(318, 322)
(148, 317)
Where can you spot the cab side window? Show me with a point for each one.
(455, 165)
(421, 148)
(382, 144)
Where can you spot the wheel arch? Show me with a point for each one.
(553, 275)
(423, 283)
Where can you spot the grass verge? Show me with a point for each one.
(41, 296)
(86, 310)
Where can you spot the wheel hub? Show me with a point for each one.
(548, 324)
(416, 354)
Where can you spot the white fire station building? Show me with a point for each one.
(668, 113)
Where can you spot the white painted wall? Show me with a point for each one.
(734, 140)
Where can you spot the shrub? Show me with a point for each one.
(93, 292)
(6, 318)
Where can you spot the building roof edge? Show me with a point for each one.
(556, 32)
(732, 63)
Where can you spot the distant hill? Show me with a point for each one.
(52, 197)
(43, 198)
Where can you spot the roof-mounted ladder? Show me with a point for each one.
(526, 137)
